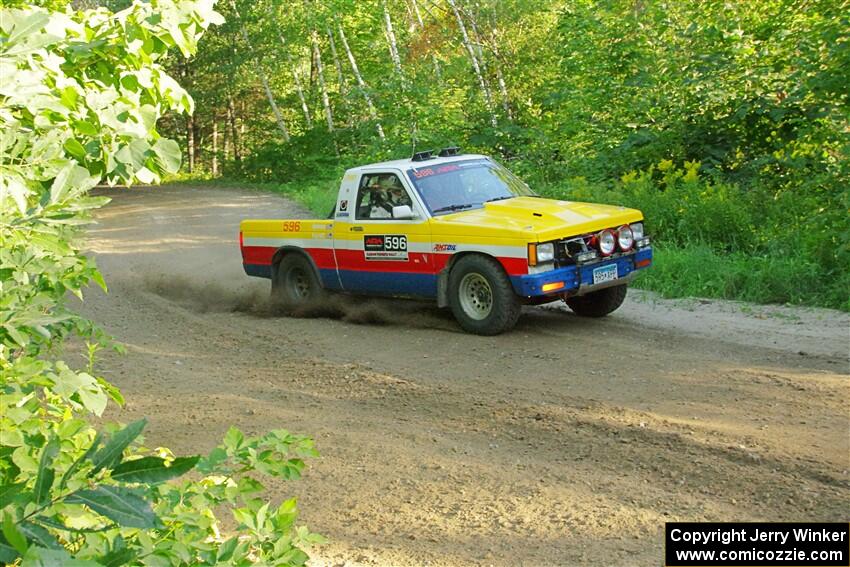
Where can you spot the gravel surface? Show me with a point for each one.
(566, 442)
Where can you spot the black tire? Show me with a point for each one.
(481, 296)
(295, 281)
(598, 303)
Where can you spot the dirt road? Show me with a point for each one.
(565, 442)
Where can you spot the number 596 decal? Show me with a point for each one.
(395, 243)
(385, 246)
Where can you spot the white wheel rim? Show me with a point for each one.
(476, 296)
(299, 283)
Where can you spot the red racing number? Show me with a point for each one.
(291, 226)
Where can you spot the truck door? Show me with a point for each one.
(377, 253)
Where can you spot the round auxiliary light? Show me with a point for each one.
(607, 242)
(625, 237)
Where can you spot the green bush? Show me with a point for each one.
(80, 96)
(714, 239)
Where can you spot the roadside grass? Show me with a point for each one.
(681, 268)
(695, 270)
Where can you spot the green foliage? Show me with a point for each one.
(715, 239)
(593, 90)
(80, 97)
(696, 270)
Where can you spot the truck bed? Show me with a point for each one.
(259, 240)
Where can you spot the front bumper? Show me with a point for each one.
(578, 280)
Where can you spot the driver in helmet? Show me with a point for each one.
(388, 193)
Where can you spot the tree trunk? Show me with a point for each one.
(418, 13)
(242, 115)
(326, 103)
(214, 164)
(427, 40)
(190, 142)
(297, 76)
(391, 40)
(226, 135)
(485, 90)
(360, 82)
(340, 77)
(263, 79)
(500, 77)
(298, 88)
(337, 63)
(234, 133)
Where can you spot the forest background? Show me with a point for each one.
(725, 122)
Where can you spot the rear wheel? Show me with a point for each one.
(295, 281)
(481, 296)
(598, 303)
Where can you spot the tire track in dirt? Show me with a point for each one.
(566, 442)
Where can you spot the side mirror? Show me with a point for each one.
(403, 212)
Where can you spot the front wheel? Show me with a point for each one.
(481, 296)
(295, 282)
(598, 303)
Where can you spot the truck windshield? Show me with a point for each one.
(465, 185)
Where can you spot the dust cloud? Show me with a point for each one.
(216, 298)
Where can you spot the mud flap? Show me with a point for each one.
(443, 289)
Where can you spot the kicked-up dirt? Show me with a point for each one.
(565, 442)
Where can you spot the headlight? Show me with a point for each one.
(540, 253)
(625, 237)
(545, 252)
(607, 242)
(637, 230)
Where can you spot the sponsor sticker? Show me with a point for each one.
(429, 171)
(385, 247)
(343, 205)
(445, 247)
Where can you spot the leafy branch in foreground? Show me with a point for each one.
(80, 96)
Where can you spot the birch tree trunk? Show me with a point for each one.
(214, 164)
(263, 78)
(427, 40)
(337, 63)
(241, 138)
(190, 141)
(234, 133)
(485, 90)
(341, 83)
(360, 82)
(226, 139)
(296, 76)
(500, 77)
(391, 40)
(326, 103)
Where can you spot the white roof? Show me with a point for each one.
(405, 164)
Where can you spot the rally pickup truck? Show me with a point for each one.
(458, 229)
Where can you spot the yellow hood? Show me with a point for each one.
(536, 218)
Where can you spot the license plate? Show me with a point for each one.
(605, 274)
